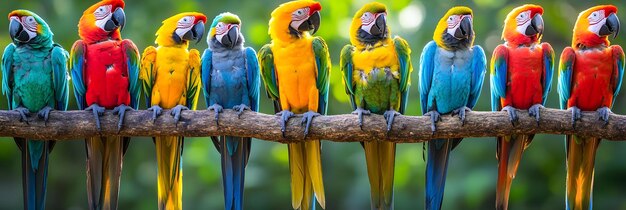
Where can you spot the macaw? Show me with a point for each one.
(590, 77)
(451, 78)
(298, 84)
(105, 70)
(376, 71)
(170, 76)
(521, 76)
(230, 74)
(34, 79)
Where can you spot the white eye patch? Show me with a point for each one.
(523, 21)
(596, 20)
(184, 25)
(103, 14)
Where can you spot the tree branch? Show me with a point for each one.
(339, 128)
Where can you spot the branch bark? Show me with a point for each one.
(340, 128)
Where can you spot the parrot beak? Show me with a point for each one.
(535, 27)
(231, 38)
(17, 32)
(611, 26)
(464, 29)
(312, 24)
(118, 19)
(379, 29)
(195, 33)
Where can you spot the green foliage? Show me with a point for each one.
(540, 183)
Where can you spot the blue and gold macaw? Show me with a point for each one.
(451, 75)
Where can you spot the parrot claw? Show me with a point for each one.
(44, 113)
(434, 118)
(389, 116)
(240, 108)
(97, 112)
(307, 117)
(604, 114)
(24, 114)
(575, 115)
(461, 112)
(360, 112)
(512, 114)
(176, 111)
(534, 112)
(156, 111)
(217, 108)
(121, 111)
(284, 118)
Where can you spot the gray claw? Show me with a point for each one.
(284, 118)
(575, 115)
(217, 108)
(24, 114)
(307, 117)
(156, 111)
(534, 112)
(461, 112)
(512, 114)
(240, 108)
(97, 112)
(434, 118)
(176, 111)
(389, 116)
(360, 112)
(44, 113)
(121, 111)
(604, 113)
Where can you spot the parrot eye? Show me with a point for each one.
(186, 22)
(221, 28)
(367, 18)
(30, 23)
(596, 17)
(523, 18)
(103, 11)
(453, 21)
(300, 14)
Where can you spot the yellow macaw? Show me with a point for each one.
(170, 74)
(295, 68)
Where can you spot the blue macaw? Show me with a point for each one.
(451, 78)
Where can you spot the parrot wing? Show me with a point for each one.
(268, 74)
(77, 67)
(498, 75)
(548, 69)
(618, 55)
(207, 59)
(406, 67)
(479, 67)
(322, 61)
(60, 77)
(347, 68)
(565, 75)
(252, 65)
(7, 73)
(194, 81)
(131, 55)
(427, 67)
(147, 73)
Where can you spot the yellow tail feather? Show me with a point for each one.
(170, 185)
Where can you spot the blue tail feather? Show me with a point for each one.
(436, 170)
(234, 154)
(34, 171)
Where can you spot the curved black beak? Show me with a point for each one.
(464, 30)
(312, 24)
(231, 38)
(16, 31)
(118, 19)
(535, 27)
(379, 29)
(195, 33)
(611, 26)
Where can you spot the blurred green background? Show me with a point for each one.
(540, 183)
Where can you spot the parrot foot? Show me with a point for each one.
(44, 113)
(176, 112)
(97, 112)
(240, 108)
(461, 112)
(121, 111)
(389, 116)
(534, 112)
(604, 113)
(156, 111)
(307, 117)
(434, 118)
(24, 114)
(512, 114)
(284, 118)
(575, 115)
(217, 108)
(360, 112)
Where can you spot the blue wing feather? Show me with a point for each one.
(498, 75)
(132, 62)
(548, 63)
(322, 60)
(479, 67)
(207, 59)
(427, 67)
(77, 61)
(7, 73)
(60, 77)
(346, 66)
(406, 67)
(619, 66)
(252, 65)
(565, 75)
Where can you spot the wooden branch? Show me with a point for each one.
(339, 128)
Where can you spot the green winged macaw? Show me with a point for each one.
(451, 75)
(590, 77)
(230, 74)
(170, 75)
(377, 74)
(34, 79)
(298, 84)
(521, 77)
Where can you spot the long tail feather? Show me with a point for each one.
(436, 170)
(35, 155)
(380, 158)
(581, 154)
(104, 170)
(306, 179)
(510, 149)
(314, 164)
(170, 174)
(234, 155)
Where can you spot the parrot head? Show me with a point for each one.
(594, 25)
(455, 30)
(27, 27)
(369, 24)
(226, 30)
(524, 25)
(295, 19)
(181, 28)
(102, 21)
